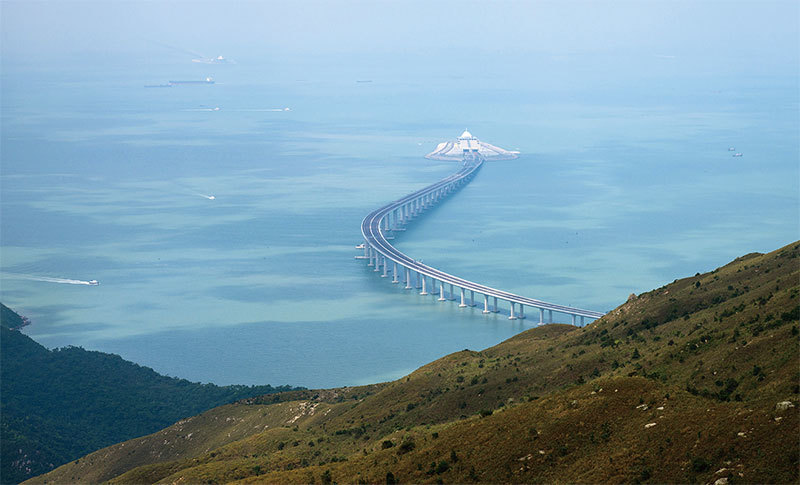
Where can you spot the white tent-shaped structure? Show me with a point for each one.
(468, 145)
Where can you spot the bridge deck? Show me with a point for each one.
(375, 238)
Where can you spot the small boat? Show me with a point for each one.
(731, 149)
(94, 282)
(737, 154)
(360, 246)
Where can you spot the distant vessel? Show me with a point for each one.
(213, 60)
(207, 80)
(731, 149)
(737, 154)
(158, 85)
(93, 282)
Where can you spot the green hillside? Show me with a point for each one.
(59, 405)
(696, 381)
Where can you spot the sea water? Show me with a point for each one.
(622, 185)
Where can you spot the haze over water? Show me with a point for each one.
(623, 114)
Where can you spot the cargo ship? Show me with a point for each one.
(207, 80)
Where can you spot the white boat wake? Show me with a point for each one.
(48, 279)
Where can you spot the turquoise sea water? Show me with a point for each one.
(622, 186)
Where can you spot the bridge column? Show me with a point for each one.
(541, 316)
(441, 292)
(452, 292)
(394, 274)
(511, 315)
(462, 305)
(377, 261)
(521, 315)
(366, 249)
(495, 305)
(424, 289)
(408, 279)
(573, 319)
(550, 314)
(471, 297)
(371, 251)
(581, 321)
(486, 304)
(419, 284)
(385, 267)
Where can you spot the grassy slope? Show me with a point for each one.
(61, 404)
(715, 351)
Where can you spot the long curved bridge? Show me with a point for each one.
(381, 224)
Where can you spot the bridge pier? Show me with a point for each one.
(383, 223)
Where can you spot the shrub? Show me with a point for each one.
(386, 445)
(700, 465)
(405, 447)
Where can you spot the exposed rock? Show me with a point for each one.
(649, 425)
(632, 297)
(721, 481)
(784, 405)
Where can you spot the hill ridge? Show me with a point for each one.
(693, 381)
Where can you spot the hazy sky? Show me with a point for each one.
(759, 31)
